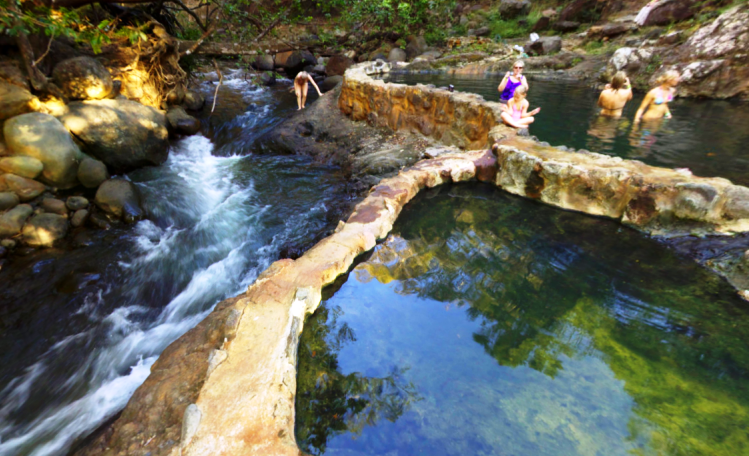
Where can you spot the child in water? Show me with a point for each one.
(516, 111)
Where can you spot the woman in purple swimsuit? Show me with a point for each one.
(511, 82)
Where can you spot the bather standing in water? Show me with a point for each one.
(300, 88)
(615, 95)
(655, 104)
(512, 81)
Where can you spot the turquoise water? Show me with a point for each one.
(707, 136)
(491, 325)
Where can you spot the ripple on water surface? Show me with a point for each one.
(491, 325)
(707, 136)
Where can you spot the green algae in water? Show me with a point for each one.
(491, 325)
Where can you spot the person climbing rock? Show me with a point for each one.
(615, 96)
(300, 88)
(511, 82)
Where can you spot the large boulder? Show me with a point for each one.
(294, 60)
(83, 78)
(510, 9)
(12, 222)
(21, 166)
(338, 64)
(123, 134)
(43, 230)
(397, 55)
(416, 47)
(26, 189)
(544, 46)
(91, 173)
(330, 82)
(180, 122)
(16, 100)
(627, 59)
(194, 100)
(263, 62)
(43, 137)
(666, 13)
(267, 78)
(120, 198)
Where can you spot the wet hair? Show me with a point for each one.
(520, 90)
(667, 76)
(618, 81)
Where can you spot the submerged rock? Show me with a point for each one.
(79, 218)
(21, 166)
(119, 198)
(194, 100)
(16, 100)
(43, 137)
(12, 222)
(75, 203)
(26, 189)
(8, 200)
(83, 78)
(55, 206)
(91, 173)
(180, 122)
(44, 230)
(123, 134)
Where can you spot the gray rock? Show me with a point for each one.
(319, 69)
(83, 78)
(8, 200)
(123, 134)
(482, 31)
(194, 100)
(119, 198)
(44, 230)
(566, 26)
(91, 173)
(75, 203)
(45, 138)
(268, 78)
(26, 189)
(79, 218)
(330, 82)
(55, 206)
(544, 46)
(16, 100)
(180, 122)
(12, 222)
(397, 55)
(378, 56)
(176, 96)
(416, 47)
(263, 62)
(21, 166)
(510, 9)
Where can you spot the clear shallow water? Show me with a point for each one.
(491, 325)
(707, 136)
(79, 330)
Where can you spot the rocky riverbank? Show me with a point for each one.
(57, 156)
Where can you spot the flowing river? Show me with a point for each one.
(79, 329)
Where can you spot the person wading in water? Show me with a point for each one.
(615, 95)
(655, 104)
(300, 88)
(511, 82)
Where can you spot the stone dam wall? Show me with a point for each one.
(227, 387)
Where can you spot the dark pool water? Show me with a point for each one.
(491, 325)
(707, 136)
(80, 329)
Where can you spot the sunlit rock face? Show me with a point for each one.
(16, 100)
(713, 61)
(123, 134)
(83, 78)
(44, 138)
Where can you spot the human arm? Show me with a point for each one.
(314, 84)
(643, 106)
(503, 84)
(524, 81)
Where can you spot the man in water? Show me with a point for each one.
(300, 88)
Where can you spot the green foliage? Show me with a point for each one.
(190, 34)
(511, 28)
(436, 36)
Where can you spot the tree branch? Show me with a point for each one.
(191, 13)
(220, 81)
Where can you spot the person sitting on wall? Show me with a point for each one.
(515, 112)
(655, 103)
(615, 95)
(511, 82)
(300, 88)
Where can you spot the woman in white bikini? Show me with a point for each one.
(655, 104)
